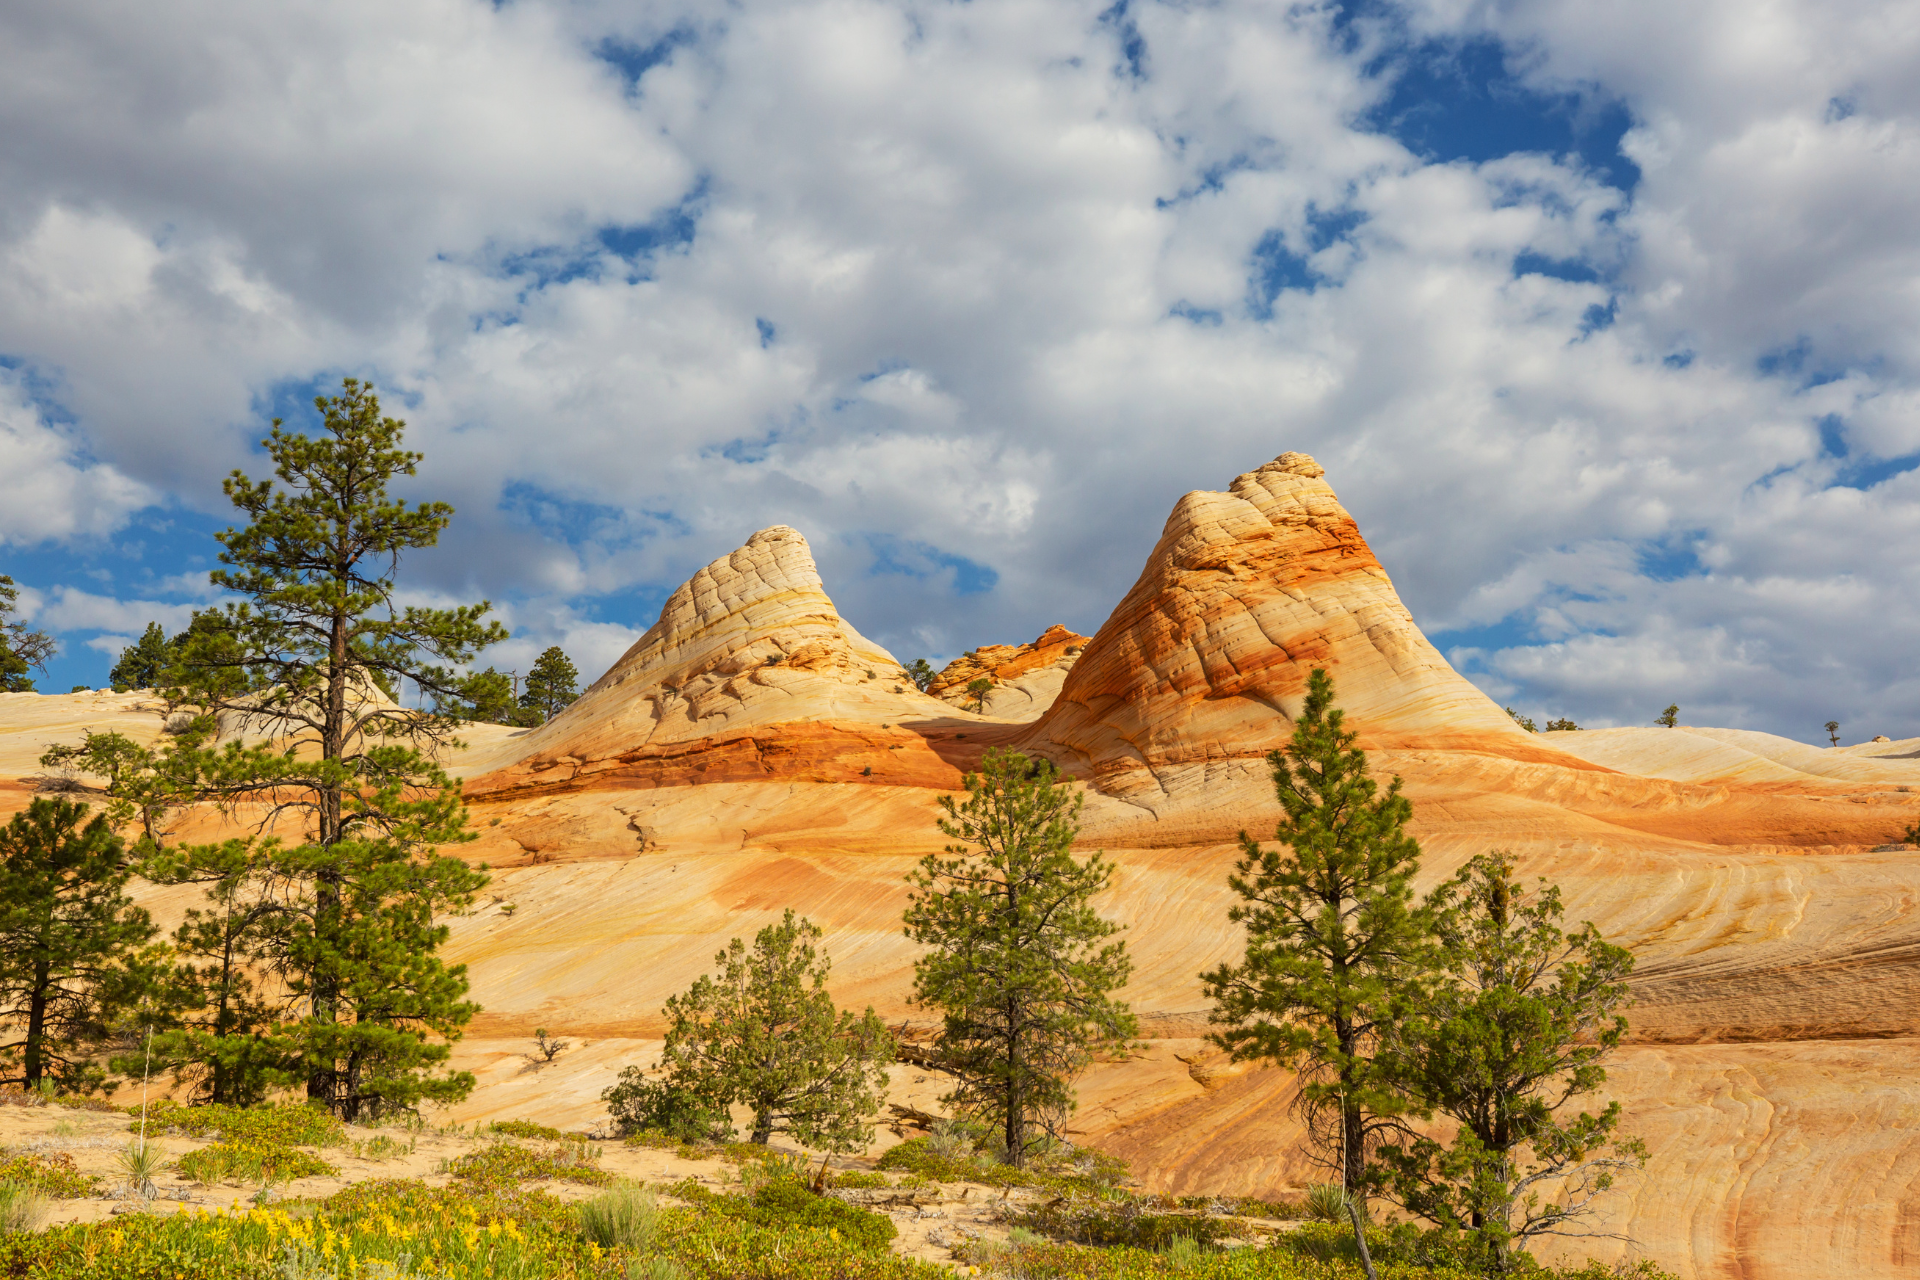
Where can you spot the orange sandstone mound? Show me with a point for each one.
(1026, 678)
(698, 789)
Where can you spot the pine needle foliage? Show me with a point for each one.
(71, 941)
(1020, 963)
(1334, 944)
(764, 1032)
(1512, 1033)
(142, 664)
(22, 648)
(551, 685)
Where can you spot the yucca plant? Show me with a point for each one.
(1327, 1202)
(141, 1161)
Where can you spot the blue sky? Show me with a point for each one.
(1601, 318)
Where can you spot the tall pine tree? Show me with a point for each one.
(1334, 946)
(1019, 963)
(307, 660)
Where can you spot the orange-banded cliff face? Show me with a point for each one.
(1205, 662)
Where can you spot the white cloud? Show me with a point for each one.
(47, 489)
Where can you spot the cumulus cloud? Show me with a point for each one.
(970, 294)
(47, 488)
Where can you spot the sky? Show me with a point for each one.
(1604, 320)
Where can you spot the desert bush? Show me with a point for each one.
(50, 1175)
(381, 1147)
(641, 1106)
(22, 1207)
(252, 1162)
(528, 1129)
(1132, 1221)
(505, 1164)
(784, 1202)
(1184, 1253)
(1062, 1169)
(283, 1124)
(623, 1218)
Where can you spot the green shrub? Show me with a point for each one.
(251, 1162)
(49, 1175)
(860, 1180)
(788, 1203)
(1131, 1221)
(381, 1147)
(505, 1165)
(636, 1103)
(623, 1218)
(528, 1129)
(282, 1124)
(1065, 1170)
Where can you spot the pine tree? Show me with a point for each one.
(1514, 1030)
(22, 649)
(764, 1032)
(551, 686)
(144, 663)
(1020, 966)
(485, 696)
(1670, 717)
(303, 659)
(214, 1025)
(978, 689)
(922, 674)
(70, 939)
(1333, 943)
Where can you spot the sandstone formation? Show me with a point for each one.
(1201, 668)
(698, 789)
(1026, 678)
(750, 674)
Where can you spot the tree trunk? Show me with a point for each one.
(35, 1059)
